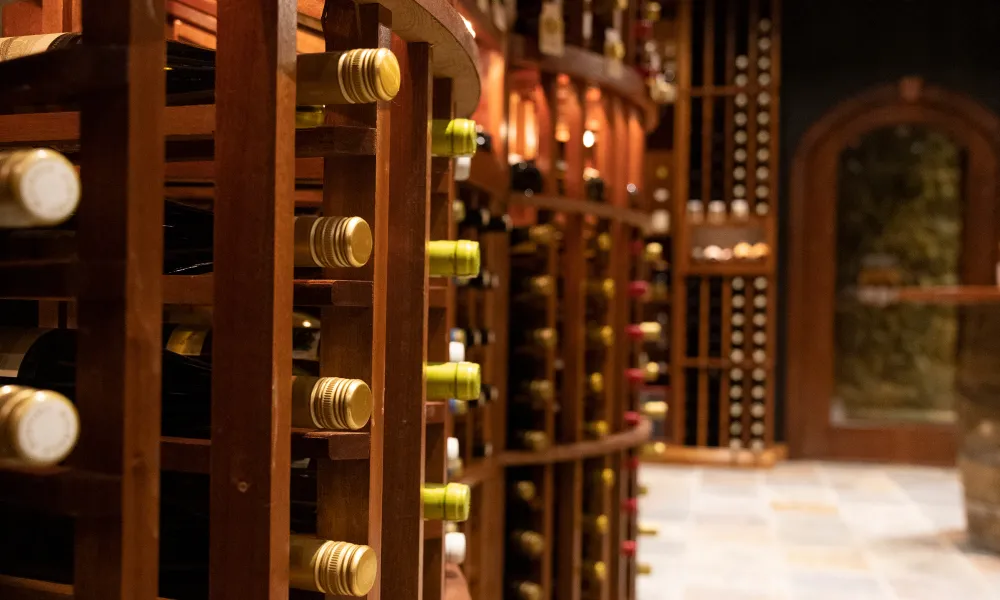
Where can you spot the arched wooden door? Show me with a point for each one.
(820, 364)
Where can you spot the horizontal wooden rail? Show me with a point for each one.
(190, 132)
(58, 77)
(192, 455)
(957, 295)
(581, 450)
(61, 491)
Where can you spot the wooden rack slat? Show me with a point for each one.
(406, 326)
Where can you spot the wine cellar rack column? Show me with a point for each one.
(251, 405)
(406, 324)
(119, 302)
(349, 492)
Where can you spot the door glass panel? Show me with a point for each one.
(899, 223)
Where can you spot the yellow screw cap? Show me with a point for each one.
(332, 241)
(598, 429)
(461, 380)
(608, 477)
(598, 525)
(595, 381)
(456, 137)
(338, 568)
(525, 490)
(447, 502)
(460, 258)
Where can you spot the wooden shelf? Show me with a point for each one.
(61, 490)
(591, 67)
(193, 455)
(580, 450)
(59, 281)
(489, 174)
(479, 471)
(628, 216)
(959, 295)
(730, 268)
(57, 78)
(190, 132)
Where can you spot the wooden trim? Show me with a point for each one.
(811, 265)
(718, 457)
(579, 451)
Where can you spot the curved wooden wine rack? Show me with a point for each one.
(104, 104)
(596, 69)
(616, 442)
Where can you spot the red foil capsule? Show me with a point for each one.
(630, 505)
(632, 418)
(638, 289)
(629, 548)
(635, 376)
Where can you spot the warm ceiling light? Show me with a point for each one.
(588, 139)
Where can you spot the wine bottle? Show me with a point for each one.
(484, 141)
(456, 352)
(46, 359)
(455, 464)
(526, 178)
(485, 280)
(458, 212)
(544, 338)
(649, 331)
(319, 241)
(484, 221)
(347, 77)
(458, 258)
(597, 429)
(639, 290)
(595, 571)
(595, 383)
(629, 548)
(526, 590)
(601, 289)
(37, 427)
(533, 440)
(594, 189)
(487, 395)
(337, 568)
(38, 187)
(605, 477)
(533, 288)
(537, 392)
(446, 502)
(596, 525)
(525, 491)
(455, 137)
(458, 407)
(454, 547)
(531, 544)
(474, 337)
(600, 336)
(537, 235)
(453, 380)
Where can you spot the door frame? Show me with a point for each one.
(809, 378)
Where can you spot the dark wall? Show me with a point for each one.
(833, 50)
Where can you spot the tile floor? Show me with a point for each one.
(810, 531)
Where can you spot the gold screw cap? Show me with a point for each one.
(654, 251)
(598, 524)
(338, 403)
(531, 543)
(332, 242)
(37, 187)
(459, 258)
(597, 571)
(461, 380)
(541, 390)
(543, 285)
(447, 502)
(598, 429)
(37, 427)
(595, 381)
(456, 137)
(526, 490)
(527, 590)
(608, 477)
(656, 410)
(368, 75)
(545, 337)
(644, 529)
(535, 440)
(644, 569)
(604, 242)
(337, 568)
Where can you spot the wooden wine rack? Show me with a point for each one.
(714, 417)
(381, 323)
(555, 100)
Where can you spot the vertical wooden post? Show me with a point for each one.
(120, 303)
(251, 414)
(349, 497)
(406, 326)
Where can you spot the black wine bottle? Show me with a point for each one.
(46, 359)
(525, 177)
(319, 241)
